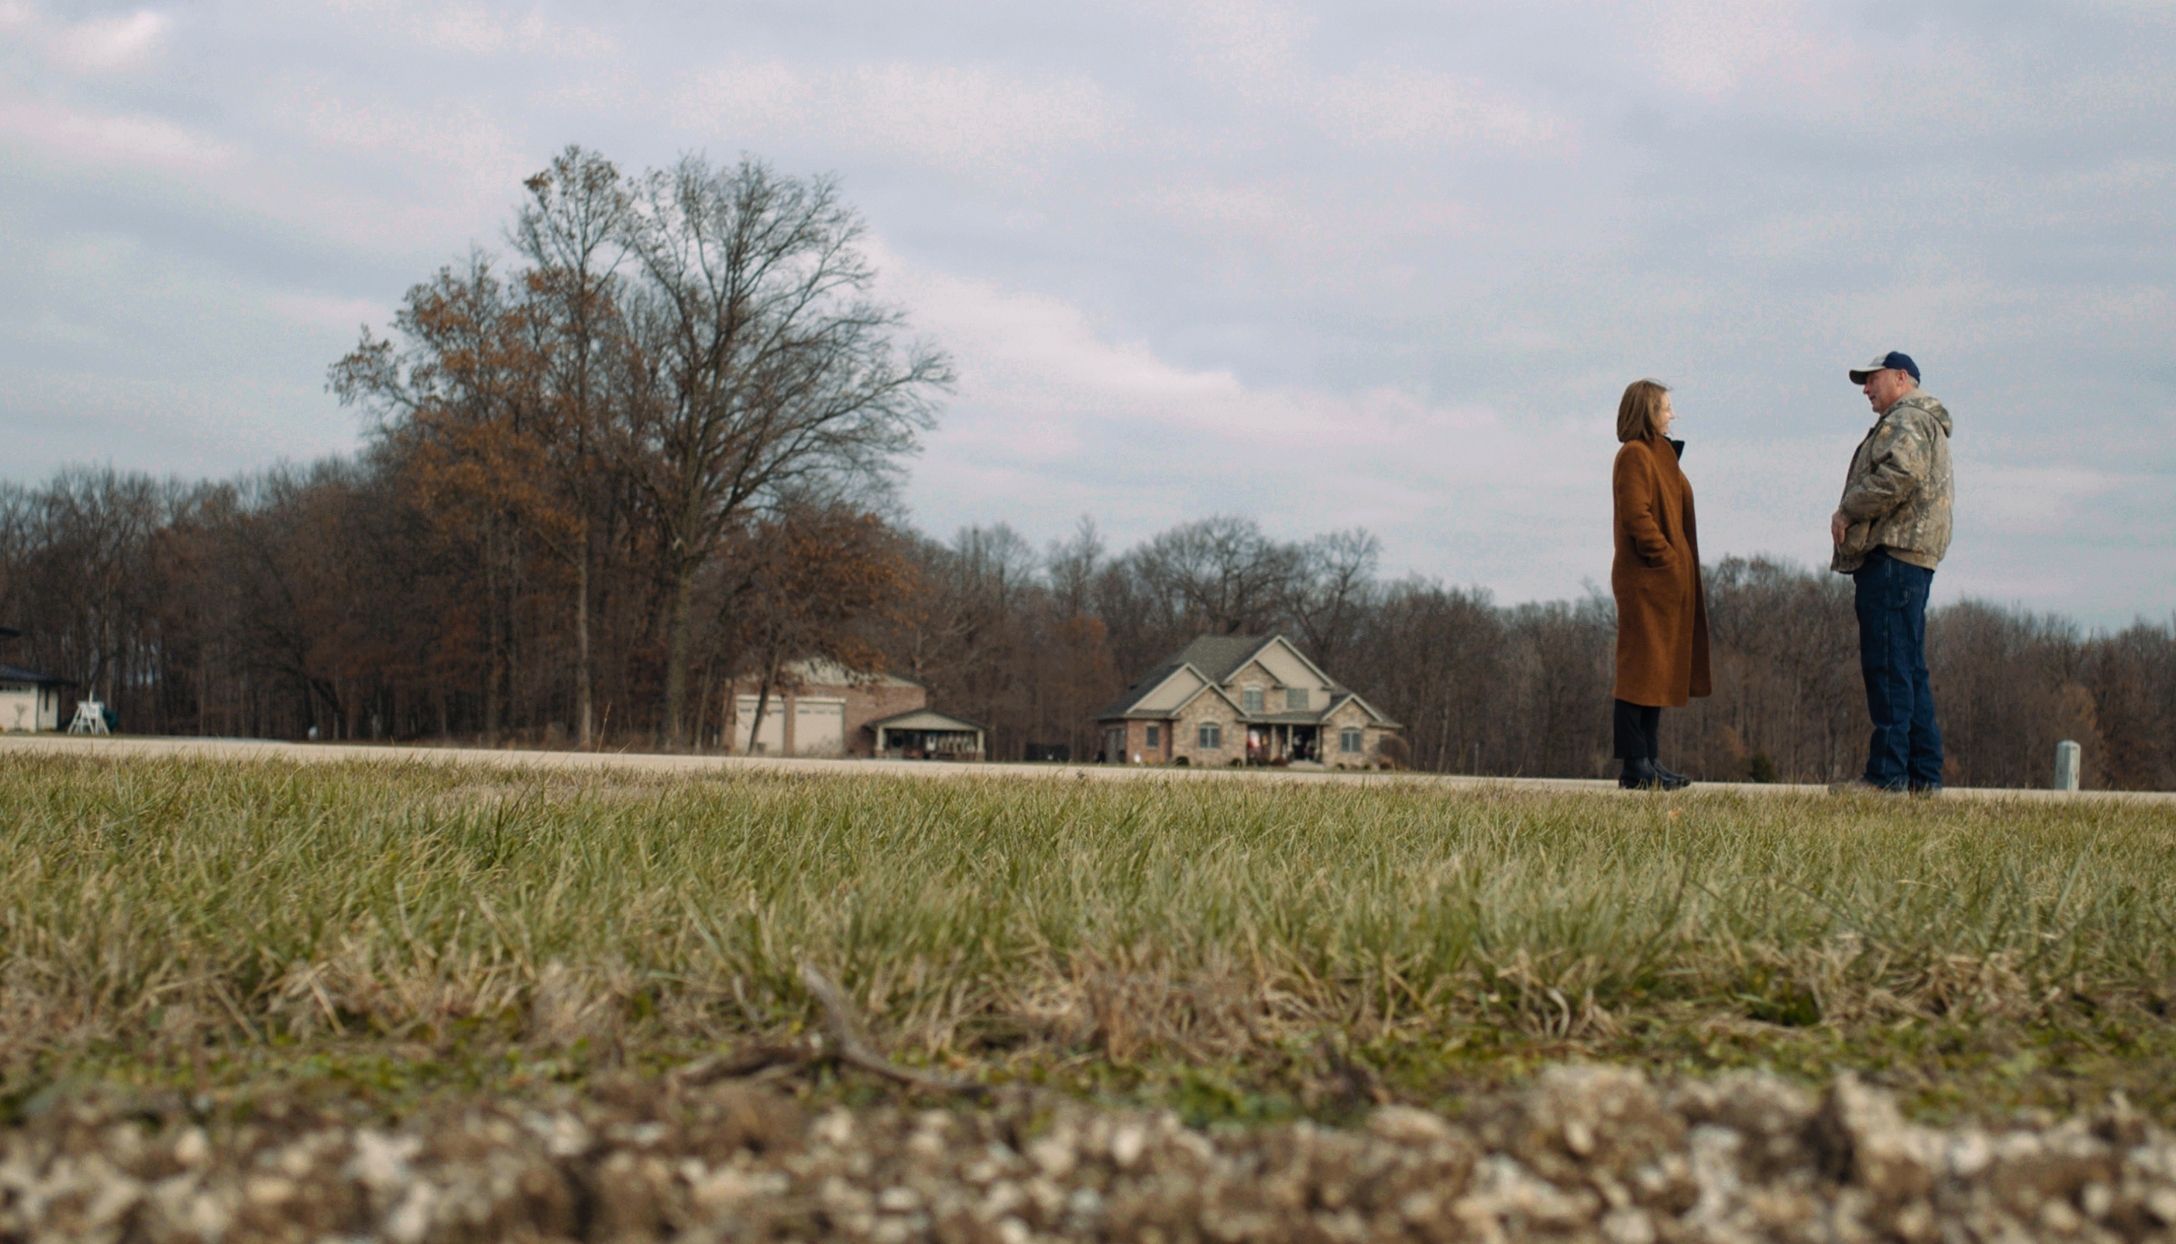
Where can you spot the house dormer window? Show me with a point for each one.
(1250, 699)
(1295, 699)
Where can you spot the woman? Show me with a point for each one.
(1662, 611)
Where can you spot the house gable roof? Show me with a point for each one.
(922, 719)
(1211, 658)
(1222, 656)
(1215, 659)
(1279, 641)
(1129, 700)
(1207, 688)
(1381, 718)
(1218, 657)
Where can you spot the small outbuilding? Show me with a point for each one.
(29, 700)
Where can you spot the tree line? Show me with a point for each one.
(335, 596)
(653, 452)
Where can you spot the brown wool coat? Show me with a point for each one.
(1662, 609)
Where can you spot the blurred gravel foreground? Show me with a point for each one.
(1584, 1153)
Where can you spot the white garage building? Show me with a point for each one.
(29, 701)
(821, 708)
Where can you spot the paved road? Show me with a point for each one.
(652, 762)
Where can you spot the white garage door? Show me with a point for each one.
(771, 739)
(819, 727)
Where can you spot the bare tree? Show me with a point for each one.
(1218, 575)
(812, 581)
(459, 403)
(77, 570)
(1787, 702)
(1071, 565)
(2132, 677)
(573, 232)
(774, 364)
(971, 637)
(1437, 660)
(1333, 587)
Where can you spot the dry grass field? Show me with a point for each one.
(374, 943)
(1226, 948)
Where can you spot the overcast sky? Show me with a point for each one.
(1325, 265)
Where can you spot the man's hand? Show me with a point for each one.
(1837, 526)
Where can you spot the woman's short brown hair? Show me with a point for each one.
(1636, 414)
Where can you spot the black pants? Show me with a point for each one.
(1638, 730)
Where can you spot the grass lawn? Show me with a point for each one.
(381, 934)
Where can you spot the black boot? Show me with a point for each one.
(1668, 774)
(1641, 773)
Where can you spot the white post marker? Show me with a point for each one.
(2067, 758)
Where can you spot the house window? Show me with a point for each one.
(1250, 699)
(1348, 740)
(1211, 737)
(1155, 735)
(1295, 699)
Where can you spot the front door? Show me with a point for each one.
(1306, 743)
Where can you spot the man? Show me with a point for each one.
(1890, 532)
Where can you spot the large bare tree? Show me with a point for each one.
(775, 366)
(1219, 575)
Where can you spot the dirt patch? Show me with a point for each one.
(1581, 1154)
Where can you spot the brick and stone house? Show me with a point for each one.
(821, 708)
(1237, 699)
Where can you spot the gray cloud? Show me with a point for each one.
(1380, 263)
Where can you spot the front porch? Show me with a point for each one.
(927, 735)
(1275, 742)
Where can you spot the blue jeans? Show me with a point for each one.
(1891, 601)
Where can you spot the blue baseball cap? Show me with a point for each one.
(1896, 359)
